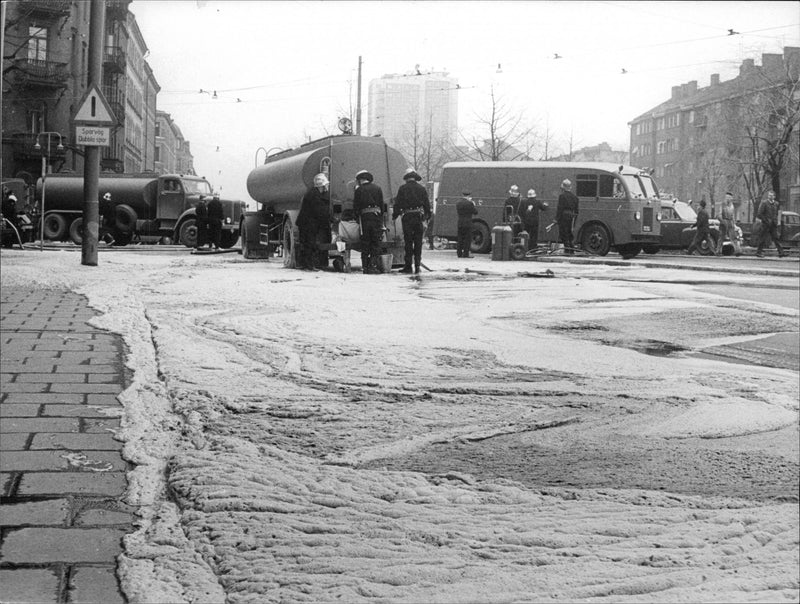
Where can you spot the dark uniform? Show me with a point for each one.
(9, 210)
(413, 205)
(768, 215)
(703, 232)
(314, 222)
(529, 212)
(215, 216)
(465, 209)
(368, 206)
(201, 221)
(566, 212)
(107, 219)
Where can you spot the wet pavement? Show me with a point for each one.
(62, 473)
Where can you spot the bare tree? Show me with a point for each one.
(500, 133)
(766, 121)
(425, 148)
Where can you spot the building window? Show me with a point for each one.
(673, 120)
(691, 116)
(660, 123)
(37, 43)
(660, 146)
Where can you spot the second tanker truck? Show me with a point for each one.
(152, 204)
(280, 183)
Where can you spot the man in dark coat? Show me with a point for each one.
(215, 216)
(529, 213)
(201, 222)
(566, 212)
(768, 213)
(368, 206)
(465, 208)
(413, 205)
(703, 232)
(314, 222)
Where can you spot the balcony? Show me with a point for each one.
(117, 9)
(53, 9)
(41, 74)
(114, 59)
(23, 146)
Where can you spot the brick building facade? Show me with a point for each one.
(699, 142)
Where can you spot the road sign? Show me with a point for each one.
(97, 136)
(94, 109)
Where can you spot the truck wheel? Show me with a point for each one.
(628, 250)
(76, 231)
(481, 241)
(650, 248)
(245, 251)
(188, 233)
(228, 239)
(125, 218)
(55, 226)
(289, 245)
(595, 240)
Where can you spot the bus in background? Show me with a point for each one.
(619, 205)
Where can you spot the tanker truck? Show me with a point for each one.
(280, 183)
(145, 204)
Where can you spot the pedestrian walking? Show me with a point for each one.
(769, 213)
(566, 213)
(466, 209)
(368, 206)
(703, 232)
(727, 226)
(314, 222)
(413, 205)
(201, 223)
(107, 218)
(215, 216)
(529, 213)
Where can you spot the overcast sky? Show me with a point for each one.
(285, 71)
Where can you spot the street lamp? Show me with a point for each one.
(45, 161)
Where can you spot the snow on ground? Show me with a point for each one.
(264, 401)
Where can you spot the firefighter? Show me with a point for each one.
(529, 212)
(9, 211)
(201, 222)
(107, 218)
(215, 216)
(314, 222)
(466, 209)
(413, 205)
(566, 212)
(368, 206)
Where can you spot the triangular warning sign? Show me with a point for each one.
(94, 109)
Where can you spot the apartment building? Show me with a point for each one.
(700, 142)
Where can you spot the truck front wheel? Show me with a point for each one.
(595, 240)
(188, 233)
(228, 239)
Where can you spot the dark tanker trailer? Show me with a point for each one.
(280, 183)
(145, 204)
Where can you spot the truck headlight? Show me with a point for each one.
(658, 216)
(638, 215)
(227, 220)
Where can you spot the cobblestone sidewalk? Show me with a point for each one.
(61, 471)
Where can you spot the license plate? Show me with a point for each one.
(646, 229)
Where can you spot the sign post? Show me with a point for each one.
(93, 122)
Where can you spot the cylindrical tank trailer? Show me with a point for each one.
(280, 183)
(144, 204)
